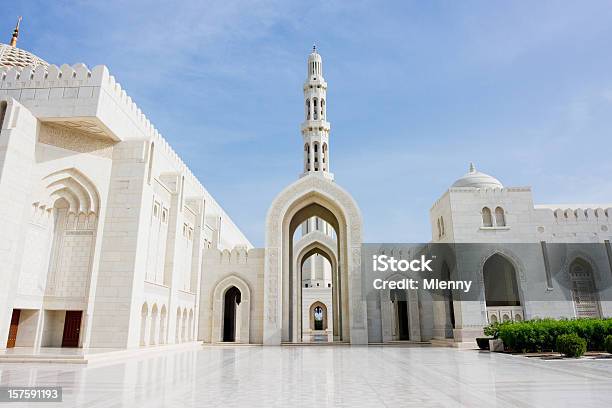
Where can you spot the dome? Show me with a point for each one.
(16, 57)
(476, 179)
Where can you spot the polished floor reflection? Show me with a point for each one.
(324, 376)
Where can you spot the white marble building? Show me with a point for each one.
(109, 241)
(103, 225)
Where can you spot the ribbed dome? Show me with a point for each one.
(16, 57)
(314, 56)
(476, 179)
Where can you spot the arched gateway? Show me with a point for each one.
(312, 196)
(315, 194)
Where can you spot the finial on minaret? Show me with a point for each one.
(472, 168)
(314, 47)
(15, 33)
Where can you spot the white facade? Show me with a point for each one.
(99, 216)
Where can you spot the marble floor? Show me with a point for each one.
(320, 376)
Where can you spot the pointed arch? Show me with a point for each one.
(312, 196)
(242, 312)
(73, 185)
(583, 288)
(502, 295)
(313, 315)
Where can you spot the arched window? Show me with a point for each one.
(500, 218)
(439, 229)
(442, 224)
(323, 113)
(307, 109)
(487, 221)
(315, 108)
(501, 288)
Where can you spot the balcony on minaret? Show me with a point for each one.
(315, 125)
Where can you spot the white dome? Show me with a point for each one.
(16, 57)
(314, 55)
(476, 179)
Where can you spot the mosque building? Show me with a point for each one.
(110, 241)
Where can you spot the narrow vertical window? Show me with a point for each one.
(500, 218)
(487, 220)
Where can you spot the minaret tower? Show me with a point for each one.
(315, 128)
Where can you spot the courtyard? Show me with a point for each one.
(322, 376)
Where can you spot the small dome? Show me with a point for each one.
(16, 57)
(314, 55)
(476, 179)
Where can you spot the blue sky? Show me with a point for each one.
(417, 90)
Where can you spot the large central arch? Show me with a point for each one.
(310, 196)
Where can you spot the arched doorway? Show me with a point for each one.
(312, 196)
(231, 302)
(318, 316)
(501, 290)
(231, 311)
(317, 285)
(584, 293)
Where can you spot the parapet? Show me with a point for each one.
(239, 255)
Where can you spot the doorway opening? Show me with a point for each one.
(12, 336)
(402, 326)
(72, 328)
(231, 303)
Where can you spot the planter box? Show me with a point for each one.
(483, 342)
(496, 345)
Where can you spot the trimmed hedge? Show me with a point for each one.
(608, 343)
(541, 334)
(571, 345)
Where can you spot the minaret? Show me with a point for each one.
(315, 128)
(15, 34)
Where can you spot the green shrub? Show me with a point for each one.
(541, 334)
(492, 330)
(571, 345)
(608, 343)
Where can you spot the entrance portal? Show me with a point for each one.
(231, 302)
(313, 198)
